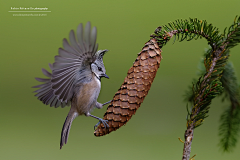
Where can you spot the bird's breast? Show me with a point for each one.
(87, 95)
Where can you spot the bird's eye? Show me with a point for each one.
(99, 68)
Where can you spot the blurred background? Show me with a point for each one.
(31, 130)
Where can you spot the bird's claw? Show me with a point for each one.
(104, 123)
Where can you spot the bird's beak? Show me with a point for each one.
(106, 76)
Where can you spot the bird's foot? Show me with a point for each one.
(102, 121)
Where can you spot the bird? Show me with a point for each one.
(76, 78)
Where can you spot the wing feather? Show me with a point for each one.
(50, 97)
(38, 86)
(93, 39)
(50, 66)
(46, 73)
(69, 48)
(59, 72)
(42, 91)
(68, 90)
(41, 79)
(65, 60)
(62, 85)
(53, 103)
(45, 93)
(95, 48)
(73, 41)
(58, 104)
(62, 66)
(80, 37)
(63, 74)
(87, 36)
(46, 96)
(64, 53)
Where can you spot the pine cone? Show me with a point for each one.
(134, 89)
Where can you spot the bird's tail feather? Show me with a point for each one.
(66, 128)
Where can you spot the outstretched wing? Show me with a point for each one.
(73, 62)
(71, 66)
(45, 93)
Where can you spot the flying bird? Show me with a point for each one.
(76, 78)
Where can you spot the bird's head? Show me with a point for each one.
(97, 66)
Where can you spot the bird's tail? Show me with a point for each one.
(66, 127)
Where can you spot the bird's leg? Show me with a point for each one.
(100, 105)
(107, 103)
(100, 121)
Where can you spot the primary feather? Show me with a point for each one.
(45, 93)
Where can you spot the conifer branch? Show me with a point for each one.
(204, 91)
(209, 85)
(230, 119)
(233, 36)
(229, 128)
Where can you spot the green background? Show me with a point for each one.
(30, 130)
